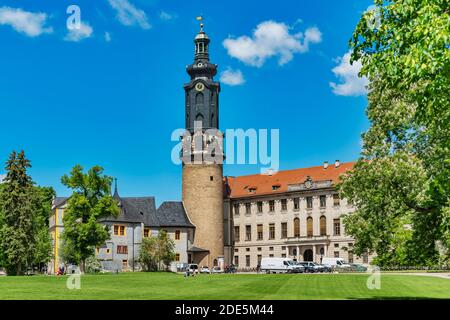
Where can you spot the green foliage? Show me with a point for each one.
(24, 212)
(93, 265)
(401, 184)
(91, 200)
(157, 252)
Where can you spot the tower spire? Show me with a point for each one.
(116, 191)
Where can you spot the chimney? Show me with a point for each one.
(337, 164)
(325, 164)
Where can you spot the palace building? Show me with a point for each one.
(226, 220)
(294, 213)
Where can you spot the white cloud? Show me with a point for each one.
(107, 37)
(78, 34)
(30, 23)
(350, 83)
(2, 177)
(129, 15)
(232, 77)
(271, 39)
(163, 15)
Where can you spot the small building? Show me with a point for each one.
(138, 218)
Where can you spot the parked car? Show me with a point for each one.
(324, 267)
(310, 266)
(205, 269)
(192, 268)
(335, 263)
(357, 267)
(300, 267)
(279, 265)
(216, 270)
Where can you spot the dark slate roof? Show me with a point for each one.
(58, 201)
(172, 214)
(136, 210)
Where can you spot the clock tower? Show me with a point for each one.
(202, 181)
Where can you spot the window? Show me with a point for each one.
(275, 188)
(323, 201)
(309, 226)
(211, 178)
(124, 264)
(177, 234)
(259, 259)
(271, 231)
(271, 206)
(296, 203)
(283, 248)
(119, 230)
(146, 232)
(247, 249)
(248, 208)
(336, 245)
(365, 258)
(177, 257)
(323, 226)
(297, 227)
(350, 257)
(283, 255)
(247, 261)
(260, 206)
(284, 230)
(259, 248)
(337, 227)
(270, 255)
(252, 190)
(236, 209)
(309, 202)
(336, 254)
(122, 249)
(283, 204)
(270, 248)
(248, 233)
(108, 251)
(236, 250)
(236, 260)
(260, 231)
(336, 200)
(236, 234)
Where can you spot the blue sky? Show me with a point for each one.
(111, 93)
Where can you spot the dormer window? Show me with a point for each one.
(275, 187)
(252, 189)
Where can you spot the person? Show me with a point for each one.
(258, 268)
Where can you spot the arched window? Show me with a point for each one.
(296, 227)
(323, 226)
(309, 226)
(199, 98)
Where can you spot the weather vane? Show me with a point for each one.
(200, 18)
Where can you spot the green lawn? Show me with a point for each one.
(229, 286)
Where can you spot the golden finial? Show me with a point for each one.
(200, 18)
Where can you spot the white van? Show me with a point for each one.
(278, 265)
(335, 263)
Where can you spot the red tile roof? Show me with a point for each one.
(239, 186)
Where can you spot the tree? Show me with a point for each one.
(400, 185)
(157, 251)
(17, 232)
(91, 200)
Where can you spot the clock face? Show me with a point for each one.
(200, 65)
(199, 86)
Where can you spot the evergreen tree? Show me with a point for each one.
(17, 230)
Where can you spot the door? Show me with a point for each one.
(308, 255)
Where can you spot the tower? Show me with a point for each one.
(202, 179)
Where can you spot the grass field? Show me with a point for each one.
(230, 286)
